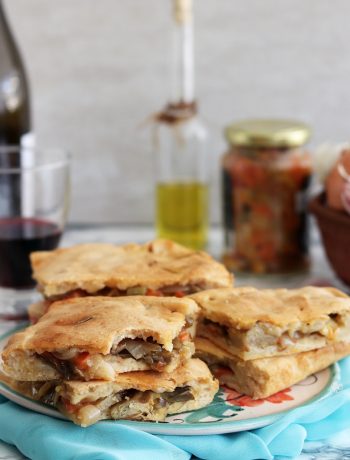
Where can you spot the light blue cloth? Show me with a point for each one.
(43, 438)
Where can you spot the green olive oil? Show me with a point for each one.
(182, 213)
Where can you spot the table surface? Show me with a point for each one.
(335, 448)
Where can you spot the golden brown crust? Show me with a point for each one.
(155, 265)
(206, 347)
(94, 323)
(260, 378)
(243, 307)
(37, 310)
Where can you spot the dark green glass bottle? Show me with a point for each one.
(15, 120)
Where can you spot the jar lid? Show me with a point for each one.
(268, 133)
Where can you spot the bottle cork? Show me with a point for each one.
(182, 11)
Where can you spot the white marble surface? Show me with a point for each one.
(335, 448)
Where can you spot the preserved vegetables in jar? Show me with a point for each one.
(266, 176)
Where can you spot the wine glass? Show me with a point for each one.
(34, 197)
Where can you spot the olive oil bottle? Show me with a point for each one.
(185, 220)
(180, 145)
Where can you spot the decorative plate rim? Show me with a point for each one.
(168, 428)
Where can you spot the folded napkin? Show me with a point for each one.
(43, 438)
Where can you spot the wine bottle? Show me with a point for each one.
(180, 144)
(15, 120)
(14, 92)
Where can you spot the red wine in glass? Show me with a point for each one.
(19, 237)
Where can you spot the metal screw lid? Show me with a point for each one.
(268, 133)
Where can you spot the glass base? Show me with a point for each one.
(14, 303)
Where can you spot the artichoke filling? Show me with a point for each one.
(127, 404)
(151, 352)
(73, 363)
(175, 290)
(263, 335)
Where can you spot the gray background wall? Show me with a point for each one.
(98, 69)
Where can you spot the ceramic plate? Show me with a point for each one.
(228, 413)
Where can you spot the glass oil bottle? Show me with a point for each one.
(179, 140)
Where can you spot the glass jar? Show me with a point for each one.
(266, 177)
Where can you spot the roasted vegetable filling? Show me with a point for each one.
(181, 394)
(263, 335)
(151, 352)
(175, 290)
(215, 328)
(131, 404)
(72, 363)
(63, 367)
(44, 392)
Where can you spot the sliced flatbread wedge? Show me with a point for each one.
(147, 395)
(252, 323)
(261, 378)
(107, 269)
(91, 338)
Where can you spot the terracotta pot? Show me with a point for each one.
(335, 231)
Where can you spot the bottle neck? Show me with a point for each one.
(3, 19)
(182, 91)
(7, 42)
(14, 95)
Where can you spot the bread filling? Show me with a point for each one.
(127, 404)
(175, 290)
(273, 339)
(130, 405)
(151, 352)
(145, 354)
